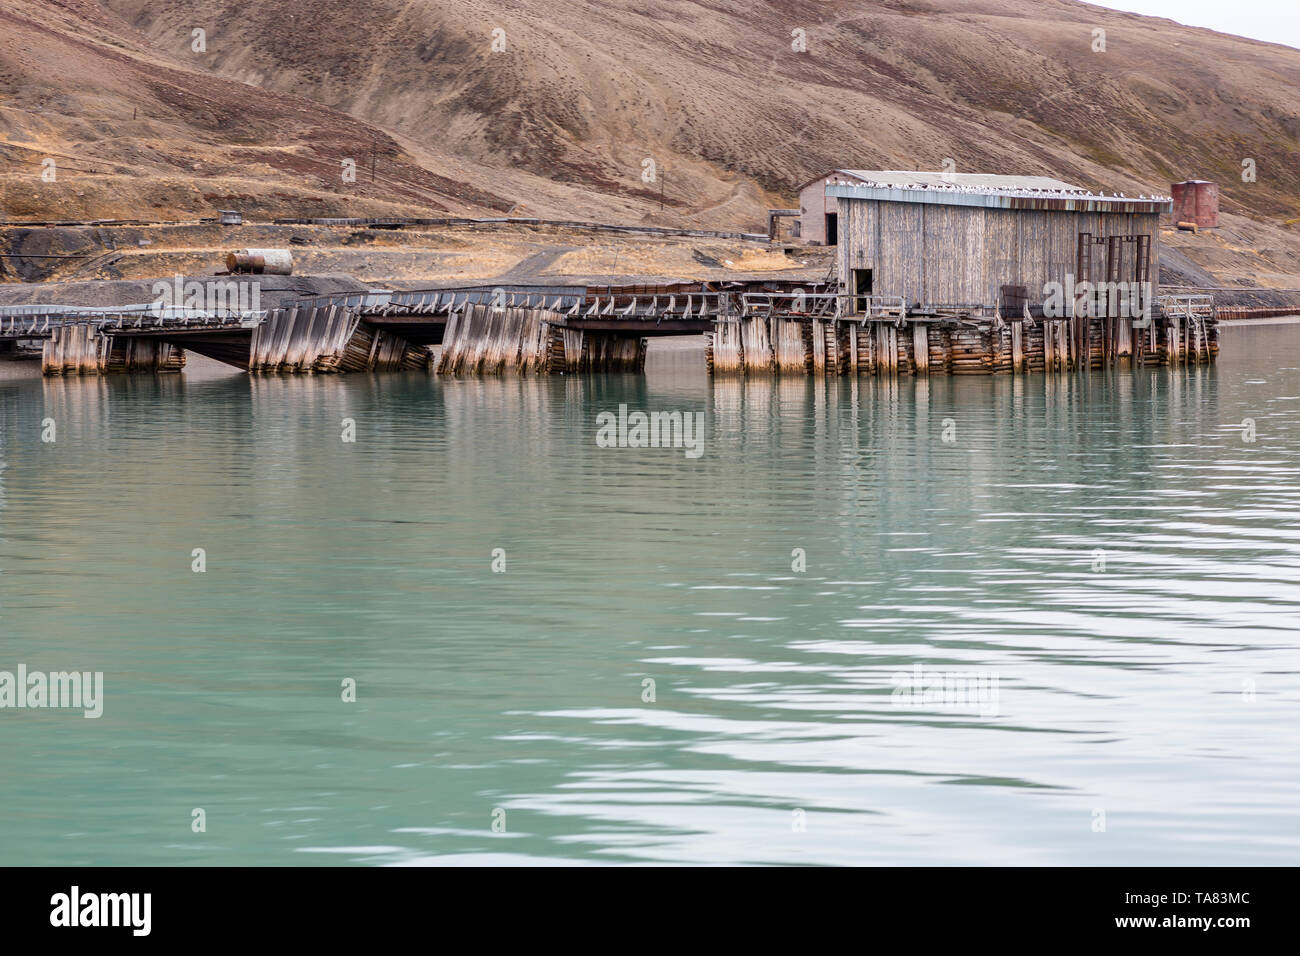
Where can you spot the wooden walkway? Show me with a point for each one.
(750, 328)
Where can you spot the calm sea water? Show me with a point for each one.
(1107, 552)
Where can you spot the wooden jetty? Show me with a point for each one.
(749, 328)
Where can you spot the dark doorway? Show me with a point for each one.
(832, 229)
(1014, 300)
(861, 287)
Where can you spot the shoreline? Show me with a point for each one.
(1267, 320)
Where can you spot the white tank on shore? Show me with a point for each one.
(273, 262)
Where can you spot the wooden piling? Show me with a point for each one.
(80, 348)
(726, 353)
(489, 340)
(961, 341)
(492, 340)
(921, 348)
(790, 347)
(756, 353)
(304, 339)
(125, 355)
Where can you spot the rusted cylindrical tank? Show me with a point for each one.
(1197, 200)
(272, 262)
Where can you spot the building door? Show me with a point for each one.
(832, 229)
(861, 288)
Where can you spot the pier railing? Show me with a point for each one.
(1186, 306)
(41, 321)
(825, 305)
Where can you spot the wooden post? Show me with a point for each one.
(756, 354)
(920, 348)
(789, 346)
(889, 349)
(819, 353)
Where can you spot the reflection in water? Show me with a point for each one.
(681, 653)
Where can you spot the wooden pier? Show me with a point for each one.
(749, 328)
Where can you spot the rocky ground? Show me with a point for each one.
(130, 257)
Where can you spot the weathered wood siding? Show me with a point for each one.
(934, 254)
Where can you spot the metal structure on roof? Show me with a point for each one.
(904, 178)
(1019, 192)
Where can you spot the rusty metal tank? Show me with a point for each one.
(1197, 201)
(272, 262)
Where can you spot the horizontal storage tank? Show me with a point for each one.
(274, 262)
(1197, 201)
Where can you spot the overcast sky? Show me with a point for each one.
(1277, 21)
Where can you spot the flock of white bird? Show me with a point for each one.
(1022, 191)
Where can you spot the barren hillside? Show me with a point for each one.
(558, 112)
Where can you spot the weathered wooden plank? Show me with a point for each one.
(920, 348)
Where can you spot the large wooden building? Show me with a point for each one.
(963, 240)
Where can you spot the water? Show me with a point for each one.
(1109, 546)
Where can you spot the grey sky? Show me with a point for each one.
(1276, 21)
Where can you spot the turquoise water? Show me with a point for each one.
(1108, 548)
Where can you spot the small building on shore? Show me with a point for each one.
(962, 240)
(818, 222)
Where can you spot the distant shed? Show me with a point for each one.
(954, 239)
(1197, 201)
(818, 211)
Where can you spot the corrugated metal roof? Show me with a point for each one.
(1068, 202)
(830, 175)
(987, 190)
(905, 178)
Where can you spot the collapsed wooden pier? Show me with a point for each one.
(327, 338)
(492, 340)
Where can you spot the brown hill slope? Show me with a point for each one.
(562, 120)
(135, 132)
(585, 90)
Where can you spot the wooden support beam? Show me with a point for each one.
(920, 348)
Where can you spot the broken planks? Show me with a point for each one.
(494, 340)
(328, 339)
